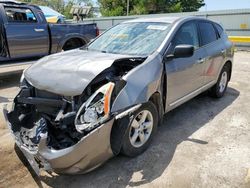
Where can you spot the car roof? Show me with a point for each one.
(165, 19)
(155, 19)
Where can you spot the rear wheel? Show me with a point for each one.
(219, 89)
(141, 130)
(73, 44)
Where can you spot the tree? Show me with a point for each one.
(191, 5)
(119, 7)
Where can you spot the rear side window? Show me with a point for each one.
(208, 33)
(219, 29)
(187, 34)
(19, 14)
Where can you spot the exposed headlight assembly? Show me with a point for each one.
(95, 110)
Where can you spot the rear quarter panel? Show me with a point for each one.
(228, 55)
(218, 53)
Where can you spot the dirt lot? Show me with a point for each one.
(203, 143)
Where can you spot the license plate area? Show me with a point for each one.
(32, 161)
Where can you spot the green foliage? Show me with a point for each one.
(191, 5)
(119, 7)
(67, 8)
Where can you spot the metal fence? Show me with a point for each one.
(236, 22)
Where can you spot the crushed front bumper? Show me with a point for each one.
(90, 152)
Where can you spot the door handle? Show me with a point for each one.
(223, 51)
(39, 30)
(201, 60)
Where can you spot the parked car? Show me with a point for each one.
(25, 33)
(109, 96)
(52, 16)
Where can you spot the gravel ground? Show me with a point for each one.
(203, 143)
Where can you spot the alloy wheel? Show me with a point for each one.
(141, 128)
(223, 82)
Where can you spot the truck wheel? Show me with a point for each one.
(141, 130)
(219, 89)
(73, 44)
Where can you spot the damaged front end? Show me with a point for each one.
(59, 134)
(67, 134)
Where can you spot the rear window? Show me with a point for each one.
(19, 14)
(208, 33)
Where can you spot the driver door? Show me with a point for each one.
(26, 36)
(184, 75)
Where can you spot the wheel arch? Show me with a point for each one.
(81, 38)
(230, 65)
(157, 100)
(121, 125)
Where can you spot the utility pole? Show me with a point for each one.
(127, 7)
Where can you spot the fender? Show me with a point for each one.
(137, 91)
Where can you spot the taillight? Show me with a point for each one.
(97, 31)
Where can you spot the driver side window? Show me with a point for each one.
(187, 34)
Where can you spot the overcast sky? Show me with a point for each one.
(225, 4)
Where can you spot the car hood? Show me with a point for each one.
(69, 73)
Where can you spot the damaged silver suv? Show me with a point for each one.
(77, 109)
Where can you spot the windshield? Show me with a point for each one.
(141, 38)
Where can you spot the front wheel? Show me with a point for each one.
(141, 130)
(219, 89)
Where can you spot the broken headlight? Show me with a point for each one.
(95, 110)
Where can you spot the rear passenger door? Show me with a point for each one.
(184, 75)
(26, 35)
(214, 47)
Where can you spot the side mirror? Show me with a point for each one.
(183, 50)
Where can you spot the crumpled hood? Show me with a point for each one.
(69, 73)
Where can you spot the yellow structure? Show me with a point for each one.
(52, 19)
(240, 39)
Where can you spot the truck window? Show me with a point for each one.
(19, 14)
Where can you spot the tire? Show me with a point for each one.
(219, 89)
(73, 44)
(133, 144)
